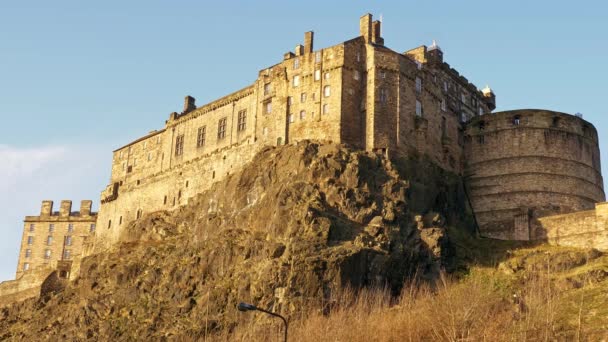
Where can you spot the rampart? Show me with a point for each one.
(583, 229)
(525, 164)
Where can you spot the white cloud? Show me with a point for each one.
(30, 175)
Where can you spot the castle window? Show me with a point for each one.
(463, 97)
(296, 63)
(265, 131)
(66, 254)
(134, 161)
(480, 110)
(70, 228)
(267, 107)
(109, 224)
(149, 156)
(358, 56)
(158, 140)
(418, 85)
(383, 95)
(325, 108)
(47, 253)
(463, 117)
(418, 108)
(296, 80)
(221, 129)
(289, 100)
(145, 144)
(326, 76)
(242, 120)
(187, 182)
(267, 89)
(445, 86)
(313, 96)
(482, 125)
(555, 122)
(318, 56)
(68, 240)
(51, 228)
(165, 200)
(326, 91)
(302, 114)
(303, 97)
(120, 154)
(120, 220)
(382, 74)
(92, 228)
(179, 145)
(480, 139)
(28, 253)
(30, 240)
(357, 75)
(201, 136)
(26, 266)
(49, 240)
(444, 106)
(124, 166)
(138, 214)
(317, 75)
(516, 120)
(291, 118)
(32, 226)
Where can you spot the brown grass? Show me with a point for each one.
(486, 306)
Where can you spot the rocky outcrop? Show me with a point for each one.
(291, 228)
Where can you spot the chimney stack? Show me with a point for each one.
(189, 104)
(85, 207)
(376, 31)
(66, 208)
(299, 50)
(308, 42)
(365, 27)
(47, 208)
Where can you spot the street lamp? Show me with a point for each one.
(250, 307)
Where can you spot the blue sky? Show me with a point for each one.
(78, 79)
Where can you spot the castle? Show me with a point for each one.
(520, 166)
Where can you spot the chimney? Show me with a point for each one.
(47, 208)
(66, 208)
(189, 104)
(365, 27)
(308, 42)
(299, 50)
(85, 207)
(376, 30)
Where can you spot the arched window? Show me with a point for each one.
(326, 91)
(516, 120)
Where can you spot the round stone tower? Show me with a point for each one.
(525, 164)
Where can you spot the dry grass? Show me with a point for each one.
(486, 306)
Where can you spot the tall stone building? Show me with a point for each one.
(358, 92)
(519, 166)
(55, 239)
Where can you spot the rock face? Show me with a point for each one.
(292, 227)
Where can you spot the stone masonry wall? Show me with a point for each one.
(532, 163)
(583, 229)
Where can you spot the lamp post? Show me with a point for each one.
(250, 307)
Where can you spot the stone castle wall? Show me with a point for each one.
(358, 93)
(583, 229)
(526, 164)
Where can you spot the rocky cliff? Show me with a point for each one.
(297, 224)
